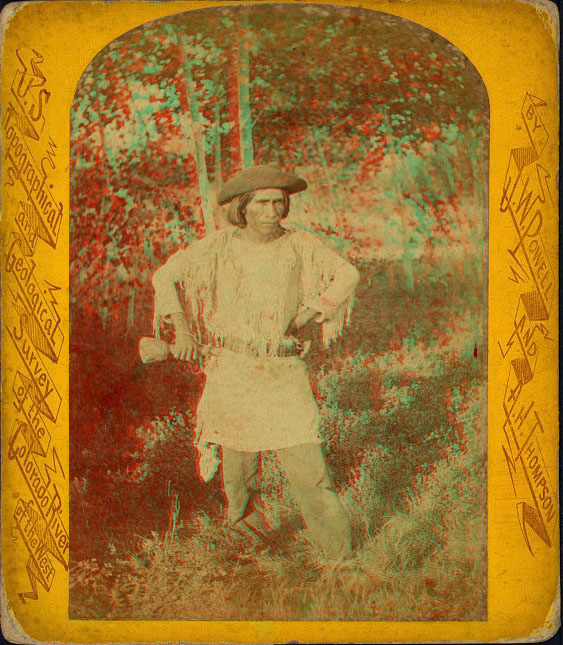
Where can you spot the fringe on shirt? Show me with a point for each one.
(197, 288)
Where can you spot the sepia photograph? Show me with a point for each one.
(278, 321)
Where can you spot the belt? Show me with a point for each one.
(289, 346)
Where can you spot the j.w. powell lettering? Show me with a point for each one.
(527, 200)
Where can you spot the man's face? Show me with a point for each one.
(265, 210)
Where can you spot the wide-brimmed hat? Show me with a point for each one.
(259, 177)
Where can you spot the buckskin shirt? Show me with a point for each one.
(241, 297)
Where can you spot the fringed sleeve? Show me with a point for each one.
(186, 281)
(329, 283)
(164, 280)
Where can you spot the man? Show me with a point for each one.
(246, 290)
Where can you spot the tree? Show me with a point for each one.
(190, 119)
(244, 113)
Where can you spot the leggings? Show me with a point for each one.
(305, 468)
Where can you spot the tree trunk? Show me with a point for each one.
(217, 146)
(104, 164)
(233, 110)
(192, 126)
(220, 218)
(245, 117)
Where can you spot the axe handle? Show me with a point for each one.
(153, 350)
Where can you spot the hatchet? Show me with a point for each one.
(153, 350)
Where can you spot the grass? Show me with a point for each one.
(410, 465)
(425, 563)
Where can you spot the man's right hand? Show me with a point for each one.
(185, 348)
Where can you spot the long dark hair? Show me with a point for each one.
(236, 212)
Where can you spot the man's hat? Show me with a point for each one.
(260, 177)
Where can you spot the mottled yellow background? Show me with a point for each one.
(513, 45)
